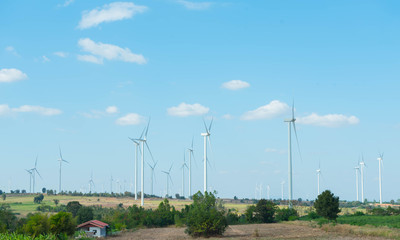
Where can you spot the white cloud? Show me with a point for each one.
(235, 85)
(90, 58)
(61, 54)
(108, 13)
(274, 109)
(184, 110)
(6, 110)
(100, 51)
(111, 109)
(227, 117)
(130, 119)
(271, 150)
(12, 50)
(67, 2)
(195, 5)
(45, 59)
(11, 75)
(329, 120)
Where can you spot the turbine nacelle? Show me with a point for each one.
(205, 134)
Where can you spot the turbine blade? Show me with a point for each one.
(297, 140)
(65, 161)
(205, 126)
(164, 172)
(172, 182)
(36, 161)
(209, 128)
(38, 173)
(147, 128)
(152, 158)
(170, 168)
(60, 152)
(192, 143)
(293, 110)
(141, 135)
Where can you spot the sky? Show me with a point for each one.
(84, 76)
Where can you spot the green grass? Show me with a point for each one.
(14, 236)
(377, 221)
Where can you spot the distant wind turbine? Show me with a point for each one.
(152, 175)
(61, 159)
(111, 184)
(318, 176)
(137, 147)
(91, 183)
(380, 161)
(357, 168)
(30, 180)
(290, 122)
(168, 179)
(362, 165)
(143, 140)
(34, 171)
(206, 135)
(190, 167)
(184, 165)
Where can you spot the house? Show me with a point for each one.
(94, 228)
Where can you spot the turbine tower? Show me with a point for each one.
(137, 147)
(111, 184)
(30, 180)
(168, 179)
(318, 175)
(357, 168)
(380, 161)
(91, 183)
(362, 165)
(61, 159)
(34, 171)
(152, 175)
(206, 135)
(143, 140)
(183, 174)
(290, 122)
(190, 168)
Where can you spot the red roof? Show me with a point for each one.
(93, 223)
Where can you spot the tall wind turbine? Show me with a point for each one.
(290, 122)
(91, 183)
(206, 135)
(111, 184)
(34, 171)
(137, 147)
(168, 179)
(184, 165)
(143, 140)
(61, 159)
(152, 175)
(380, 161)
(190, 167)
(357, 168)
(362, 165)
(318, 176)
(30, 179)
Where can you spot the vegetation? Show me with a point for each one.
(327, 205)
(262, 212)
(286, 214)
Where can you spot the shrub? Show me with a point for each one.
(62, 223)
(327, 205)
(249, 214)
(38, 199)
(8, 220)
(73, 207)
(264, 211)
(84, 214)
(204, 218)
(286, 214)
(37, 224)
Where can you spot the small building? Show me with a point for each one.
(94, 228)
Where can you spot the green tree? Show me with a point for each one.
(84, 214)
(327, 205)
(8, 220)
(4, 196)
(205, 218)
(249, 214)
(36, 225)
(56, 201)
(286, 214)
(38, 199)
(73, 207)
(44, 190)
(62, 223)
(265, 210)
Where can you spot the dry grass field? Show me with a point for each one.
(291, 230)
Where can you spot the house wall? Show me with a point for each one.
(98, 231)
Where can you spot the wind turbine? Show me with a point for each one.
(380, 161)
(318, 175)
(290, 122)
(357, 168)
(30, 180)
(168, 178)
(111, 184)
(362, 165)
(183, 174)
(190, 167)
(143, 140)
(91, 183)
(61, 159)
(34, 171)
(152, 175)
(137, 147)
(206, 135)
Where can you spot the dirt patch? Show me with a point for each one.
(250, 231)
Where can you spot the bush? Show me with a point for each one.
(204, 218)
(327, 205)
(8, 220)
(264, 211)
(73, 207)
(249, 214)
(37, 224)
(84, 214)
(38, 199)
(62, 223)
(286, 214)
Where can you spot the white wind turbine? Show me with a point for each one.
(137, 147)
(30, 179)
(357, 168)
(143, 139)
(168, 179)
(34, 171)
(91, 183)
(380, 161)
(61, 159)
(190, 168)
(206, 135)
(111, 184)
(184, 165)
(152, 175)
(290, 122)
(318, 176)
(362, 165)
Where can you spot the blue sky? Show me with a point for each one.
(86, 75)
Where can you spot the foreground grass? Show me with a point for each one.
(377, 221)
(14, 236)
